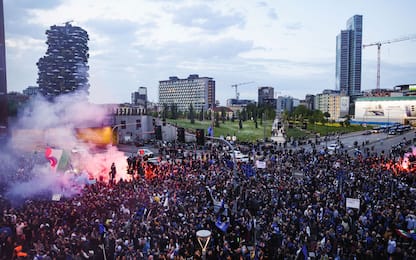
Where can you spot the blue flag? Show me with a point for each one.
(223, 226)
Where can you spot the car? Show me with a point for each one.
(240, 157)
(392, 132)
(145, 152)
(368, 132)
(376, 130)
(332, 148)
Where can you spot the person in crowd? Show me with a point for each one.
(294, 207)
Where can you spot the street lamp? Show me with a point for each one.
(203, 236)
(233, 151)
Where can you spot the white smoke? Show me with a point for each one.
(44, 124)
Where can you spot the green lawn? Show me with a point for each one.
(250, 133)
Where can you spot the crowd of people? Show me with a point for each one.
(291, 207)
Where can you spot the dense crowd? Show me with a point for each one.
(293, 208)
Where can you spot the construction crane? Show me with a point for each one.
(378, 44)
(237, 95)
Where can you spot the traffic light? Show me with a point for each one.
(200, 138)
(180, 132)
(158, 132)
(138, 123)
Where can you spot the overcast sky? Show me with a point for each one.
(289, 45)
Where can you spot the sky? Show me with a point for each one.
(289, 45)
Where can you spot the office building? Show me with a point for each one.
(195, 90)
(348, 57)
(333, 102)
(31, 91)
(265, 93)
(3, 81)
(139, 97)
(284, 103)
(64, 68)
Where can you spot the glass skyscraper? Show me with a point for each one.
(348, 57)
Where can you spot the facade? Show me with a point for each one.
(64, 67)
(3, 81)
(406, 90)
(265, 93)
(284, 104)
(310, 102)
(233, 102)
(195, 90)
(139, 97)
(333, 102)
(385, 110)
(31, 91)
(348, 57)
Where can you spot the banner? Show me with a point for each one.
(261, 164)
(353, 203)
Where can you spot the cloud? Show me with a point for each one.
(272, 14)
(294, 26)
(34, 4)
(207, 19)
(14, 10)
(113, 27)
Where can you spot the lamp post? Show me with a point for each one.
(264, 126)
(233, 151)
(203, 236)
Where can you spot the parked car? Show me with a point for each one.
(368, 132)
(392, 132)
(145, 152)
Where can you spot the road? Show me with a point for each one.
(377, 142)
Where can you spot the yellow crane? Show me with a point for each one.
(378, 44)
(237, 95)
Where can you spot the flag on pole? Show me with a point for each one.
(403, 233)
(222, 225)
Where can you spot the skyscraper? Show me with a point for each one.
(64, 68)
(195, 90)
(348, 57)
(140, 97)
(265, 93)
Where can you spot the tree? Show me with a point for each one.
(191, 114)
(165, 110)
(201, 114)
(244, 114)
(217, 119)
(327, 115)
(173, 111)
(347, 121)
(223, 113)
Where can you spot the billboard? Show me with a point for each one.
(345, 104)
(98, 136)
(385, 109)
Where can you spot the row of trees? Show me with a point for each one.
(251, 112)
(301, 113)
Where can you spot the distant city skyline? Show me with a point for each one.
(288, 45)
